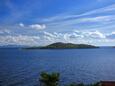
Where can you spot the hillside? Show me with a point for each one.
(60, 45)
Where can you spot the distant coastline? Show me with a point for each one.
(60, 45)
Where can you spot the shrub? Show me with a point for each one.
(49, 79)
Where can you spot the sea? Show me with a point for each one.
(22, 67)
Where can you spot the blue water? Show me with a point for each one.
(20, 67)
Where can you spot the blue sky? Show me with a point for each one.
(41, 22)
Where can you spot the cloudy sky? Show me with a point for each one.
(41, 22)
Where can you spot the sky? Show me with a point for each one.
(42, 22)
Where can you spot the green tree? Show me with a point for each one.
(47, 79)
(95, 84)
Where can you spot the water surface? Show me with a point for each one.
(20, 67)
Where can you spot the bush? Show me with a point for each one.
(49, 79)
(75, 84)
(52, 79)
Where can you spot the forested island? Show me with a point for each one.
(60, 45)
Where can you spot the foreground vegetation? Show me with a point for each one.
(52, 79)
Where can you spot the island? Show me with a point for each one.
(60, 45)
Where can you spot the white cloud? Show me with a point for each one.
(33, 26)
(113, 32)
(75, 36)
(98, 19)
(53, 37)
(21, 25)
(5, 31)
(49, 34)
(96, 34)
(38, 26)
(91, 34)
(69, 16)
(19, 40)
(111, 35)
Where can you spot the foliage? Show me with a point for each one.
(75, 84)
(52, 79)
(95, 84)
(60, 45)
(49, 79)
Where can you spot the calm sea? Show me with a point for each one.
(20, 67)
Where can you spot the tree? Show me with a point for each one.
(47, 79)
(75, 84)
